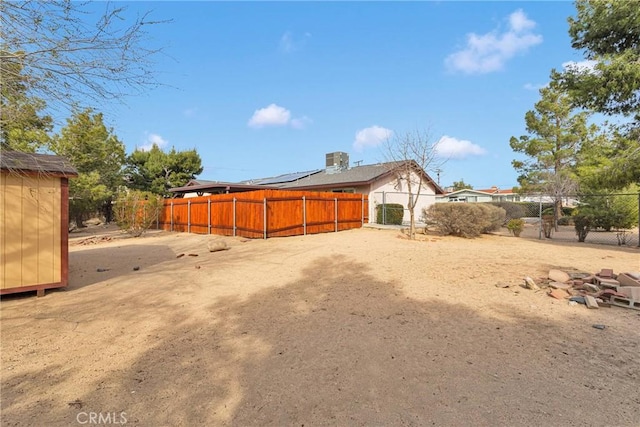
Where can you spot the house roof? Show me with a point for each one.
(217, 186)
(40, 163)
(359, 175)
(280, 179)
(487, 192)
(467, 191)
(309, 180)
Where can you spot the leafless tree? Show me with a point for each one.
(70, 53)
(411, 155)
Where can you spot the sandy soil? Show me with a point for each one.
(361, 327)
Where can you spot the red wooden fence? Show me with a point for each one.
(265, 213)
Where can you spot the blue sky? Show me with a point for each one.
(263, 88)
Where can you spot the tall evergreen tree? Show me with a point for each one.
(156, 171)
(556, 134)
(608, 31)
(98, 155)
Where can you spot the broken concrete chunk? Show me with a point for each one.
(631, 292)
(558, 276)
(590, 301)
(579, 300)
(217, 245)
(606, 273)
(628, 279)
(558, 285)
(530, 284)
(559, 294)
(606, 283)
(589, 287)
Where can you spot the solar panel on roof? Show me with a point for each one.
(286, 178)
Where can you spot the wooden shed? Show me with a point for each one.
(34, 221)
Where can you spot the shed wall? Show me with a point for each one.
(30, 231)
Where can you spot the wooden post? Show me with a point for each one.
(188, 216)
(209, 216)
(304, 215)
(171, 226)
(384, 208)
(234, 217)
(362, 210)
(335, 214)
(264, 210)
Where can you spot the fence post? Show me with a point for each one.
(304, 215)
(264, 210)
(208, 216)
(234, 217)
(335, 214)
(171, 226)
(188, 216)
(158, 218)
(384, 208)
(639, 219)
(540, 220)
(362, 211)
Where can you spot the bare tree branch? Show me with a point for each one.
(410, 155)
(68, 54)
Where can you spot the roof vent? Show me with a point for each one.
(337, 162)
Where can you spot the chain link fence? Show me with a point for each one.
(611, 219)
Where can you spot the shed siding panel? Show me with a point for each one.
(30, 231)
(30, 218)
(12, 231)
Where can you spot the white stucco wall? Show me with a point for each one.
(391, 190)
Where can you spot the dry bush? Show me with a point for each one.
(464, 219)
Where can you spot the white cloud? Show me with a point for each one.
(274, 115)
(489, 52)
(301, 123)
(452, 148)
(581, 66)
(289, 44)
(151, 139)
(371, 137)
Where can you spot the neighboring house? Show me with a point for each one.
(196, 188)
(379, 182)
(493, 194)
(34, 202)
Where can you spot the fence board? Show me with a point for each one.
(288, 213)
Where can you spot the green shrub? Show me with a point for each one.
(136, 211)
(464, 219)
(565, 220)
(390, 213)
(515, 226)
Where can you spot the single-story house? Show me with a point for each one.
(197, 188)
(380, 182)
(34, 205)
(493, 194)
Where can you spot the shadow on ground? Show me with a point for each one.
(340, 347)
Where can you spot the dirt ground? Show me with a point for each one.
(356, 328)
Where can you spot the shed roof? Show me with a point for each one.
(40, 163)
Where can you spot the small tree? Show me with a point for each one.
(461, 185)
(136, 211)
(410, 156)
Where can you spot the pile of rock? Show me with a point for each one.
(603, 289)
